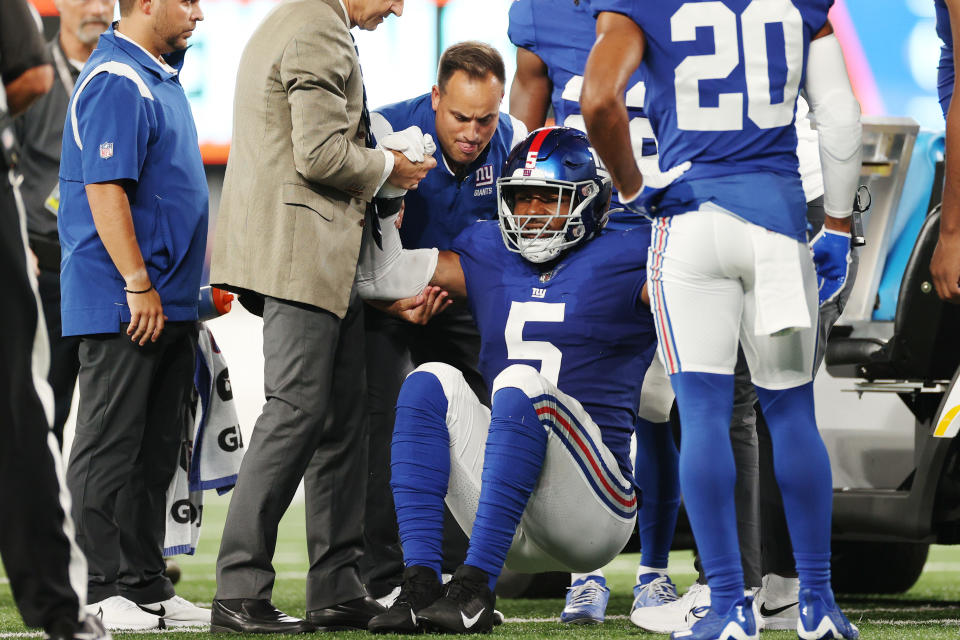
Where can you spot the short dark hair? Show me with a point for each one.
(476, 59)
(126, 6)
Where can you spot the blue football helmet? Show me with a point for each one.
(560, 159)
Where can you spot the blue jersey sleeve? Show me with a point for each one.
(945, 70)
(626, 7)
(521, 30)
(628, 247)
(482, 258)
(113, 123)
(476, 244)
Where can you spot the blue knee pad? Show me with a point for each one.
(513, 458)
(420, 469)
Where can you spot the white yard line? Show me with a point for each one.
(850, 611)
(916, 623)
(890, 622)
(39, 634)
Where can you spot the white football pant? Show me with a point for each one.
(716, 280)
(582, 509)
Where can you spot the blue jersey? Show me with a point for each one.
(722, 80)
(581, 324)
(945, 68)
(444, 204)
(561, 33)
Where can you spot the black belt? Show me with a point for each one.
(47, 251)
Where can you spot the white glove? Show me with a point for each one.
(411, 142)
(414, 145)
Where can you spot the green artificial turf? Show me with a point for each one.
(930, 610)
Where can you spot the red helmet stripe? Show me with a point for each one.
(535, 148)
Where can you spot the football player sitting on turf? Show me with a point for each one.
(553, 40)
(542, 480)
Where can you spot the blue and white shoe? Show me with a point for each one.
(736, 624)
(653, 590)
(586, 601)
(818, 621)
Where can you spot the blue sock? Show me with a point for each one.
(707, 477)
(657, 473)
(802, 467)
(420, 469)
(513, 459)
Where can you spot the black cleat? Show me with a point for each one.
(420, 589)
(466, 607)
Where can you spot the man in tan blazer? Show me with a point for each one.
(299, 181)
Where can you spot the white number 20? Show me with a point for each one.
(520, 349)
(728, 114)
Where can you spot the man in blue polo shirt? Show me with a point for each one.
(133, 227)
(462, 113)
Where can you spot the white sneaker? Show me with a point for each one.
(178, 612)
(778, 602)
(677, 615)
(117, 613)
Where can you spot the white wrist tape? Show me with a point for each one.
(392, 273)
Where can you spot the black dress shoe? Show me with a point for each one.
(254, 616)
(352, 614)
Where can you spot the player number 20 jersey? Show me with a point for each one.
(724, 78)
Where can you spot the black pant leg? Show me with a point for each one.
(388, 363)
(35, 545)
(777, 549)
(64, 358)
(118, 378)
(141, 506)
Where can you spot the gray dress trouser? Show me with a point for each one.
(314, 427)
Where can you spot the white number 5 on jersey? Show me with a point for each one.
(520, 349)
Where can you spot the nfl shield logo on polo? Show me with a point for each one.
(106, 150)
